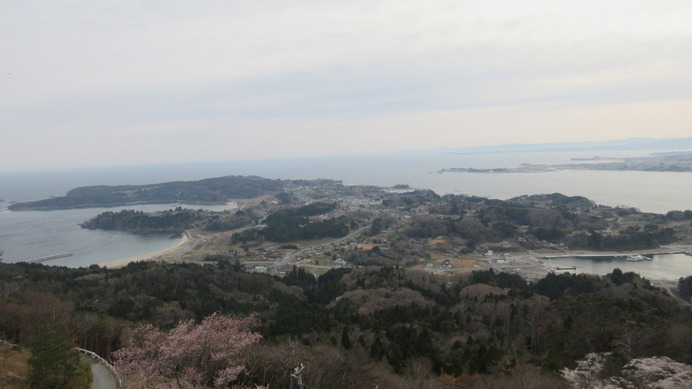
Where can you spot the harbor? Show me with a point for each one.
(661, 264)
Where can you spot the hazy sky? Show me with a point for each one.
(116, 82)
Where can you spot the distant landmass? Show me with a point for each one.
(207, 191)
(681, 144)
(663, 162)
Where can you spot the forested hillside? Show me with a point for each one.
(210, 190)
(174, 221)
(360, 327)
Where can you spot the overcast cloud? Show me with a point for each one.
(87, 83)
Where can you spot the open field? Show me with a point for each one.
(14, 367)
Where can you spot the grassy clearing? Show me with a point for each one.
(14, 367)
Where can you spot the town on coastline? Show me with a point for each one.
(321, 224)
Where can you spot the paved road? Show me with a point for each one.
(103, 379)
(670, 292)
(297, 254)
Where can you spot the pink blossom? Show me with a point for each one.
(190, 355)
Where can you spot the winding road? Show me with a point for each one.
(673, 295)
(103, 379)
(297, 254)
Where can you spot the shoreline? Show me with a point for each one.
(175, 249)
(534, 265)
(186, 242)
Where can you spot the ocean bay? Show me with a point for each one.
(31, 234)
(660, 266)
(27, 235)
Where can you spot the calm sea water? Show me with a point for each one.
(31, 234)
(662, 266)
(28, 235)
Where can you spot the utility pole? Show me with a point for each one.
(298, 375)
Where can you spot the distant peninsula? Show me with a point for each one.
(663, 162)
(207, 191)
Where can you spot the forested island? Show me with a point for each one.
(208, 191)
(362, 286)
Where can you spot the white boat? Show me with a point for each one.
(636, 258)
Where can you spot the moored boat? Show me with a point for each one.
(637, 258)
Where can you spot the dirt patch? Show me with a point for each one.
(253, 202)
(481, 290)
(455, 262)
(14, 367)
(463, 262)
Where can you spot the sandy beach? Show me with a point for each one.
(179, 247)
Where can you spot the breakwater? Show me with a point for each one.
(49, 257)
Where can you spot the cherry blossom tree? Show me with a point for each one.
(208, 354)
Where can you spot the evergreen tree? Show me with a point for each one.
(345, 340)
(53, 362)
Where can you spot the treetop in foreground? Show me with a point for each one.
(189, 355)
